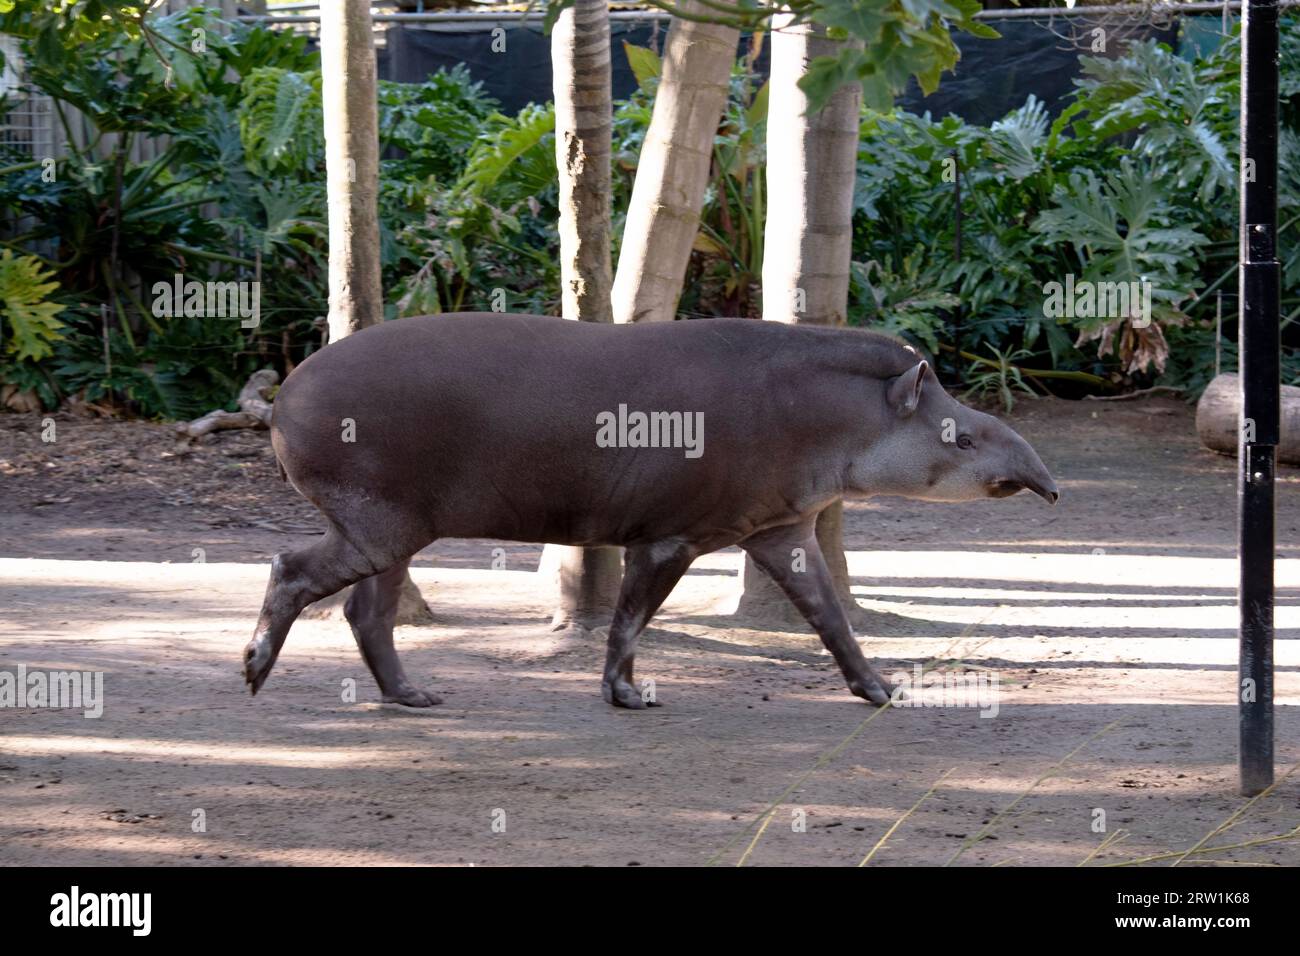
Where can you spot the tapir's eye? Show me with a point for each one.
(965, 441)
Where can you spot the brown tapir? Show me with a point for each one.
(670, 439)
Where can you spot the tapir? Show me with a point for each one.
(525, 428)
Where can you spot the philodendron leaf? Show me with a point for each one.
(26, 316)
(1126, 233)
(1016, 141)
(513, 158)
(280, 119)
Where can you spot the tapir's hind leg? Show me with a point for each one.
(649, 576)
(297, 579)
(807, 583)
(371, 609)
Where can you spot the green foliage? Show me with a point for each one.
(726, 268)
(1123, 230)
(908, 301)
(1184, 113)
(280, 123)
(128, 80)
(1016, 143)
(492, 229)
(238, 194)
(1134, 181)
(898, 40)
(645, 63)
(27, 315)
(1001, 377)
(513, 157)
(434, 123)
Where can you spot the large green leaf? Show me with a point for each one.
(896, 40)
(1185, 117)
(280, 120)
(1017, 140)
(26, 313)
(513, 158)
(645, 63)
(1125, 229)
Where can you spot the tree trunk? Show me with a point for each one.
(350, 103)
(1218, 419)
(663, 215)
(808, 239)
(588, 578)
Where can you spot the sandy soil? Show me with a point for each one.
(1108, 622)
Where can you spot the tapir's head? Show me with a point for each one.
(934, 448)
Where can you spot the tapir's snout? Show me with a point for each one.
(1027, 472)
(1037, 478)
(1006, 487)
(1045, 490)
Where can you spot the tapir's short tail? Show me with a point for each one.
(280, 468)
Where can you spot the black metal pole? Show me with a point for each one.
(1259, 378)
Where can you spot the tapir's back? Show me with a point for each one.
(524, 427)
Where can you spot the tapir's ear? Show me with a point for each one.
(905, 391)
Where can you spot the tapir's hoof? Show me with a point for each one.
(873, 691)
(410, 697)
(257, 663)
(622, 694)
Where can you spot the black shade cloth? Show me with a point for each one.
(992, 78)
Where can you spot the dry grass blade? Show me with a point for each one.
(988, 828)
(1198, 849)
(754, 842)
(897, 823)
(1111, 840)
(1240, 812)
(831, 754)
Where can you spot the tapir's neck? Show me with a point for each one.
(857, 352)
(834, 419)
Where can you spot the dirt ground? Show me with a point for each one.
(1108, 623)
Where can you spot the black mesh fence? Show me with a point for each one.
(1034, 55)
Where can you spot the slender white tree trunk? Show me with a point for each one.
(349, 94)
(673, 171)
(589, 578)
(808, 238)
(350, 103)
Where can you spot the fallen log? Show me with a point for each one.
(1218, 416)
(254, 408)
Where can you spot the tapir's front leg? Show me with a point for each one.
(793, 559)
